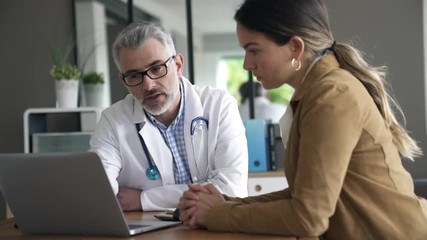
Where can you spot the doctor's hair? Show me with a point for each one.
(279, 20)
(137, 33)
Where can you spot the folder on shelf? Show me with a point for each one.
(257, 134)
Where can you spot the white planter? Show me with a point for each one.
(67, 92)
(94, 94)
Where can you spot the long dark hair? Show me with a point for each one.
(279, 20)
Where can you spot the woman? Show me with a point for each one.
(343, 165)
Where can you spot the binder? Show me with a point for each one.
(272, 146)
(257, 134)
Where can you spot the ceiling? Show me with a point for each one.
(209, 16)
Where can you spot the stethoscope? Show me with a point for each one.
(198, 121)
(152, 171)
(201, 125)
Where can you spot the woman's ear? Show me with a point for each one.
(297, 46)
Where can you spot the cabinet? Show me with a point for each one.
(56, 129)
(265, 182)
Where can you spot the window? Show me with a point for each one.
(236, 76)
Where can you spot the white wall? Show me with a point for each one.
(208, 72)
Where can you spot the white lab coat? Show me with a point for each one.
(224, 148)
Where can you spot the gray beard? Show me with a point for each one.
(160, 109)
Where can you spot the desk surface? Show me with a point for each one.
(8, 231)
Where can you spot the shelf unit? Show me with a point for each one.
(265, 182)
(57, 121)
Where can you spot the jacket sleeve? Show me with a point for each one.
(328, 133)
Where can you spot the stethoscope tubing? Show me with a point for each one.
(152, 172)
(193, 122)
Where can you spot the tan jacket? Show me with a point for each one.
(345, 176)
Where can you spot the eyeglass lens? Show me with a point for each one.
(154, 72)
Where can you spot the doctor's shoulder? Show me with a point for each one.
(121, 109)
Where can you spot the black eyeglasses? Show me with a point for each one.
(135, 78)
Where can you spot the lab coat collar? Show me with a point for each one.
(138, 112)
(192, 98)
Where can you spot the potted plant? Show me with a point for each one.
(93, 83)
(66, 77)
(93, 78)
(66, 72)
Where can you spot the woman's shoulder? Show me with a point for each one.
(338, 87)
(339, 80)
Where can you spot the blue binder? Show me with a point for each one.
(257, 135)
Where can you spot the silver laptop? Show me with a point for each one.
(65, 193)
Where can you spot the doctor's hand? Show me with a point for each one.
(129, 199)
(196, 202)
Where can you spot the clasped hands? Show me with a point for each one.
(195, 204)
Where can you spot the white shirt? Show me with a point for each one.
(218, 156)
(264, 109)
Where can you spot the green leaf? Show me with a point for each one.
(68, 72)
(93, 78)
(61, 68)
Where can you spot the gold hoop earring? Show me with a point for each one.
(296, 64)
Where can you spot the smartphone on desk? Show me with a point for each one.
(169, 215)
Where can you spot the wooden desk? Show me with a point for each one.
(8, 231)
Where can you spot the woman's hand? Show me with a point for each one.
(196, 202)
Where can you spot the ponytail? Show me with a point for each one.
(373, 78)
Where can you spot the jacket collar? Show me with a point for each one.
(322, 67)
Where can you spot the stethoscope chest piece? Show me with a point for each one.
(152, 173)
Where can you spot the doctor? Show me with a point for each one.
(167, 132)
